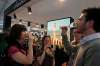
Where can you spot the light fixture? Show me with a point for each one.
(61, 0)
(37, 26)
(42, 25)
(29, 23)
(29, 10)
(20, 21)
(14, 15)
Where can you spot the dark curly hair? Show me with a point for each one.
(15, 33)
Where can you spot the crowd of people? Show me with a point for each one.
(84, 50)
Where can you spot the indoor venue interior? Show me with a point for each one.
(53, 25)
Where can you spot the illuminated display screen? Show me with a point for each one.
(54, 27)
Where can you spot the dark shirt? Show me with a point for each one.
(48, 60)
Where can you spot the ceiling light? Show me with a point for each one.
(14, 15)
(61, 0)
(20, 21)
(29, 23)
(29, 10)
(37, 26)
(29, 13)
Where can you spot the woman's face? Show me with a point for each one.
(47, 40)
(23, 35)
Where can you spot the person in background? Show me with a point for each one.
(61, 54)
(75, 45)
(64, 35)
(17, 54)
(47, 57)
(77, 37)
(89, 26)
(61, 57)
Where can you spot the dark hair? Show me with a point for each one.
(43, 39)
(16, 32)
(93, 14)
(14, 35)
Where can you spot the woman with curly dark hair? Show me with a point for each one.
(19, 56)
(47, 56)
